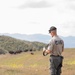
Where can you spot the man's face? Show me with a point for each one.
(51, 33)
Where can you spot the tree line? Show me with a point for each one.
(15, 46)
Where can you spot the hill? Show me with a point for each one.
(69, 41)
(11, 44)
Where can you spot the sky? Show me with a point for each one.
(37, 16)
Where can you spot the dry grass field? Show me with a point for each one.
(37, 64)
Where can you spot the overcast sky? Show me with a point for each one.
(37, 16)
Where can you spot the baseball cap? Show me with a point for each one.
(52, 28)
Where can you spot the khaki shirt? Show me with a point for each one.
(56, 45)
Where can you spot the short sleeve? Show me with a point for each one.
(63, 46)
(51, 44)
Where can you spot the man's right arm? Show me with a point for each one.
(63, 47)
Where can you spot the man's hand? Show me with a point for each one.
(44, 52)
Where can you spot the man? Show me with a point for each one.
(55, 49)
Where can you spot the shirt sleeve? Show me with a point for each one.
(63, 46)
(50, 47)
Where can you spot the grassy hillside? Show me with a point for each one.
(37, 64)
(12, 44)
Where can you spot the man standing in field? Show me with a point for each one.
(55, 49)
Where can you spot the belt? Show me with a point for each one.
(54, 55)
